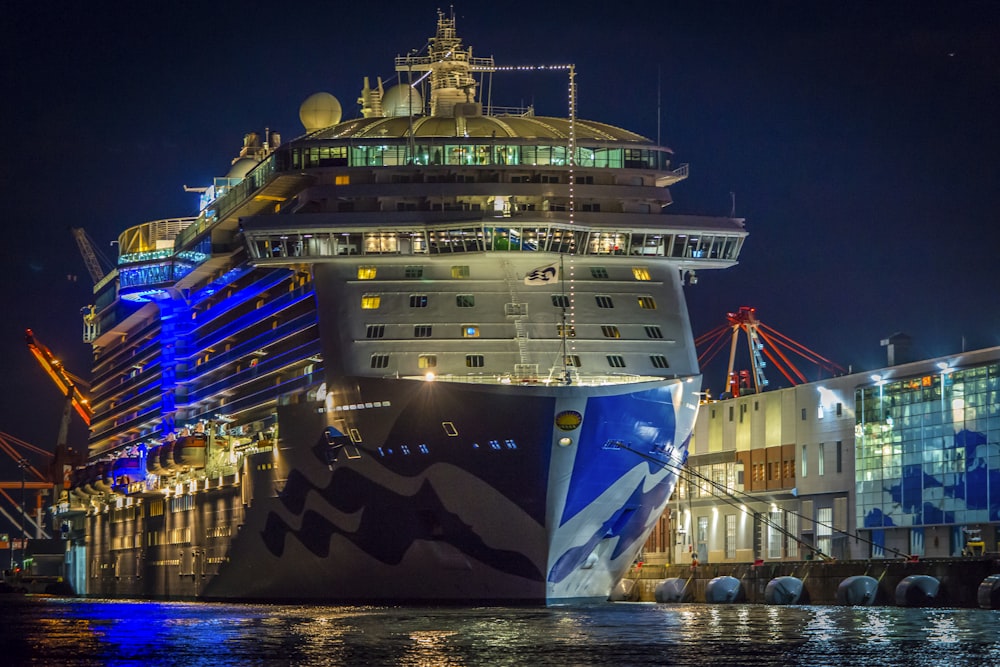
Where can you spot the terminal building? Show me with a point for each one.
(903, 461)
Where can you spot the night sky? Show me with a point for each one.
(861, 140)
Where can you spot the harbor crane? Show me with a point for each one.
(95, 261)
(764, 342)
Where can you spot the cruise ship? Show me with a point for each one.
(439, 352)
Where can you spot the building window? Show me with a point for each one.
(366, 272)
(573, 360)
(840, 409)
(470, 331)
(805, 460)
(824, 530)
(599, 272)
(640, 273)
(659, 361)
(465, 300)
(791, 535)
(371, 301)
(418, 301)
(730, 545)
(653, 331)
(616, 361)
(475, 360)
(422, 331)
(647, 303)
(604, 301)
(341, 179)
(427, 361)
(774, 533)
(567, 330)
(610, 331)
(840, 456)
(560, 300)
(460, 272)
(414, 272)
(380, 361)
(821, 463)
(803, 414)
(375, 331)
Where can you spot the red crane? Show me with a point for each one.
(763, 341)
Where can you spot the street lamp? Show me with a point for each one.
(22, 464)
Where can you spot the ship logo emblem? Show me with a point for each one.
(568, 420)
(543, 275)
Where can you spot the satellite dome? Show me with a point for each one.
(395, 102)
(320, 110)
(241, 167)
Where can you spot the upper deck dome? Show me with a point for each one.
(499, 127)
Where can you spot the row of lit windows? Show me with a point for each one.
(369, 271)
(427, 361)
(371, 301)
(472, 331)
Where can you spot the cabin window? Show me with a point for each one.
(460, 272)
(465, 300)
(414, 272)
(573, 360)
(566, 330)
(604, 301)
(380, 361)
(659, 361)
(427, 361)
(475, 360)
(371, 301)
(422, 331)
(599, 272)
(653, 331)
(418, 301)
(470, 331)
(616, 361)
(375, 331)
(366, 272)
(610, 331)
(560, 300)
(647, 302)
(641, 273)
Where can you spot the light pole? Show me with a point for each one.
(22, 464)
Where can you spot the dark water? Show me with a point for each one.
(54, 631)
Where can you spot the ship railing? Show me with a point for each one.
(578, 380)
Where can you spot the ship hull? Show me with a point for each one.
(438, 492)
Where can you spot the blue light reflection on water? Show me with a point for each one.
(96, 632)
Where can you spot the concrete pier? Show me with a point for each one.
(960, 578)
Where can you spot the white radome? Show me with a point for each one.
(320, 110)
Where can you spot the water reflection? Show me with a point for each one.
(75, 632)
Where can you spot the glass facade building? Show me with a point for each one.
(928, 453)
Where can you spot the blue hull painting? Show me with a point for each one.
(443, 491)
